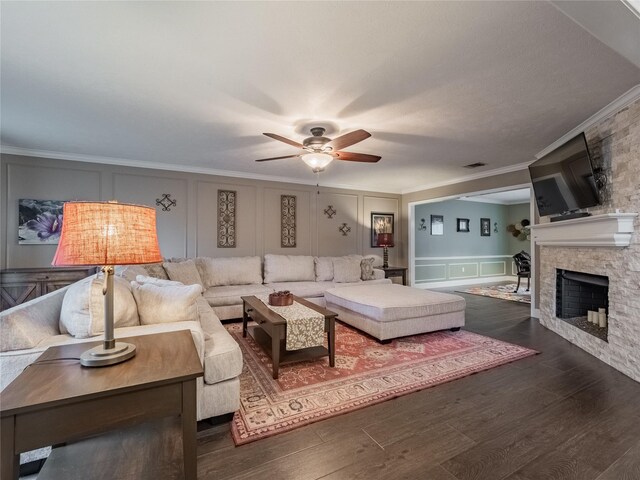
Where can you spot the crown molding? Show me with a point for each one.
(612, 108)
(123, 162)
(468, 178)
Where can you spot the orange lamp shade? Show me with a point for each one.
(107, 233)
(384, 239)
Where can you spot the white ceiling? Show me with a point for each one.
(193, 85)
(510, 197)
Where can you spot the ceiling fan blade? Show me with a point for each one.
(276, 158)
(357, 157)
(283, 139)
(348, 139)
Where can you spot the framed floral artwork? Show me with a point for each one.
(380, 223)
(39, 221)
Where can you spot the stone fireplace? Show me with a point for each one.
(576, 294)
(605, 247)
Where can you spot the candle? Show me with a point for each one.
(590, 316)
(602, 318)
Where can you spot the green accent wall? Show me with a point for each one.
(484, 256)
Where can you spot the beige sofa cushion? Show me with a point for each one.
(230, 294)
(232, 271)
(302, 289)
(24, 326)
(222, 354)
(183, 272)
(163, 304)
(387, 303)
(324, 269)
(288, 268)
(347, 269)
(130, 272)
(142, 279)
(82, 313)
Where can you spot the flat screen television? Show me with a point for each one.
(563, 180)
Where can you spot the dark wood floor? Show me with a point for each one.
(559, 415)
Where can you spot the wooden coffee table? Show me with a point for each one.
(56, 400)
(271, 333)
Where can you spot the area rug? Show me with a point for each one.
(366, 373)
(502, 292)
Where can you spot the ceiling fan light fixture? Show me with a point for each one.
(317, 161)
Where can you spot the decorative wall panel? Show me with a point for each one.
(288, 221)
(227, 218)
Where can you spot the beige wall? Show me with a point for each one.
(189, 229)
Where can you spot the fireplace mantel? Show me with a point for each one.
(605, 230)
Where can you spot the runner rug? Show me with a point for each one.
(366, 373)
(502, 292)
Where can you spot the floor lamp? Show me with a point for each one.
(107, 234)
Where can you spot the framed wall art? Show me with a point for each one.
(39, 221)
(437, 225)
(380, 223)
(463, 225)
(485, 227)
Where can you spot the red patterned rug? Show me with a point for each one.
(366, 373)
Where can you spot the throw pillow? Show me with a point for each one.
(156, 270)
(130, 272)
(346, 269)
(366, 268)
(82, 313)
(164, 304)
(183, 272)
(324, 269)
(142, 280)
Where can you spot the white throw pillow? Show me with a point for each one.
(82, 313)
(346, 269)
(234, 271)
(142, 280)
(164, 304)
(324, 269)
(288, 268)
(183, 272)
(130, 272)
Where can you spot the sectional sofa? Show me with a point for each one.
(226, 280)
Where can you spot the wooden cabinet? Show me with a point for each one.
(19, 285)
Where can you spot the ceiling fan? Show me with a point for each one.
(319, 151)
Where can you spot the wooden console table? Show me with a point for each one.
(55, 400)
(19, 285)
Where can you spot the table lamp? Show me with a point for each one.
(385, 240)
(107, 234)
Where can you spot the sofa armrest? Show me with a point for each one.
(378, 274)
(25, 326)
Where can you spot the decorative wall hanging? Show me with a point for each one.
(166, 202)
(495, 227)
(39, 221)
(463, 225)
(380, 223)
(227, 218)
(437, 225)
(288, 221)
(330, 211)
(485, 227)
(344, 229)
(520, 230)
(422, 225)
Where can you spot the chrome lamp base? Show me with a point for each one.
(102, 357)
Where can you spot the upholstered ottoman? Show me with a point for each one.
(391, 311)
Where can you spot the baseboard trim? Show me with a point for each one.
(469, 281)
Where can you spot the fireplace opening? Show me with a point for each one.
(579, 293)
